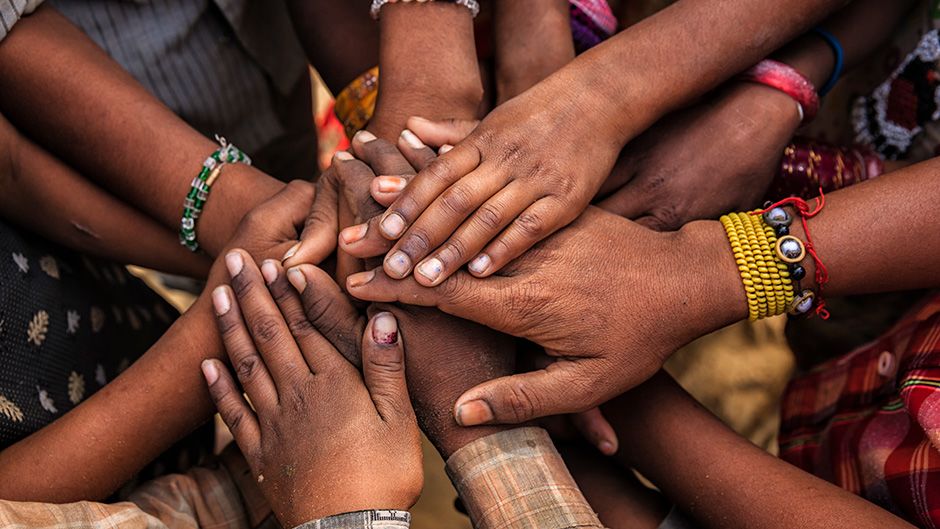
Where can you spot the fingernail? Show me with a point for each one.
(234, 263)
(473, 413)
(411, 139)
(210, 371)
(393, 224)
(606, 448)
(343, 155)
(297, 278)
(399, 264)
(357, 280)
(290, 253)
(431, 268)
(221, 301)
(480, 263)
(354, 233)
(390, 184)
(269, 271)
(385, 329)
(446, 148)
(364, 136)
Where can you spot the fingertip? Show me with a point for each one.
(297, 279)
(480, 265)
(221, 300)
(473, 413)
(210, 370)
(360, 279)
(291, 252)
(234, 262)
(384, 329)
(410, 140)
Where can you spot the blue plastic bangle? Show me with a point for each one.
(836, 46)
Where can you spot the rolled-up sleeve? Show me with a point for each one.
(11, 11)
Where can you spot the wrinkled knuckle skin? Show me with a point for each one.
(458, 201)
(490, 217)
(236, 419)
(440, 170)
(299, 400)
(390, 368)
(454, 252)
(264, 329)
(241, 285)
(300, 327)
(521, 403)
(246, 367)
(531, 225)
(418, 243)
(229, 324)
(453, 291)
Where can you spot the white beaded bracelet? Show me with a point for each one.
(472, 5)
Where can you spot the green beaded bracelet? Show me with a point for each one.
(200, 187)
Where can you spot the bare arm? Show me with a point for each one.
(717, 476)
(66, 93)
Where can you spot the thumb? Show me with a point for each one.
(318, 239)
(526, 396)
(628, 202)
(383, 368)
(445, 131)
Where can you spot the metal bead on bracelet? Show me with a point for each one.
(791, 251)
(201, 186)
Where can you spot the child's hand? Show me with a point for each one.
(321, 439)
(528, 169)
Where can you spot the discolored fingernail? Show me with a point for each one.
(473, 413)
(269, 271)
(343, 155)
(354, 233)
(393, 225)
(431, 268)
(607, 448)
(446, 148)
(413, 141)
(480, 264)
(398, 264)
(234, 263)
(290, 253)
(210, 371)
(221, 301)
(385, 329)
(390, 184)
(357, 280)
(297, 278)
(364, 136)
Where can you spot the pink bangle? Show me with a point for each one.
(785, 78)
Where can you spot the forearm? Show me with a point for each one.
(327, 28)
(91, 451)
(428, 65)
(44, 195)
(533, 40)
(68, 95)
(630, 81)
(718, 477)
(861, 28)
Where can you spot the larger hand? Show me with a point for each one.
(611, 299)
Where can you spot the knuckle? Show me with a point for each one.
(235, 419)
(300, 327)
(454, 290)
(419, 241)
(229, 325)
(521, 402)
(455, 250)
(265, 329)
(458, 200)
(490, 217)
(388, 367)
(246, 367)
(242, 285)
(440, 170)
(531, 224)
(299, 398)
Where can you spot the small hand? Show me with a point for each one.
(702, 162)
(321, 439)
(609, 299)
(523, 173)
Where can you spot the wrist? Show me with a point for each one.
(763, 104)
(811, 56)
(238, 190)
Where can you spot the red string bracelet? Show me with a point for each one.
(822, 273)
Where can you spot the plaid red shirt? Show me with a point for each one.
(870, 420)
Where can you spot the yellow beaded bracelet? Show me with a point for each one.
(765, 277)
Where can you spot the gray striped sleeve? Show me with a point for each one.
(12, 10)
(375, 519)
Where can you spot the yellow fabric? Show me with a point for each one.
(356, 103)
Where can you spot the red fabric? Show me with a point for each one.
(870, 420)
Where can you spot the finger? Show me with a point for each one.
(473, 235)
(364, 240)
(235, 412)
(426, 187)
(415, 151)
(355, 178)
(628, 202)
(382, 156)
(383, 368)
(445, 214)
(461, 295)
(329, 310)
(318, 238)
(310, 341)
(264, 321)
(537, 222)
(594, 427)
(242, 354)
(526, 396)
(385, 189)
(438, 133)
